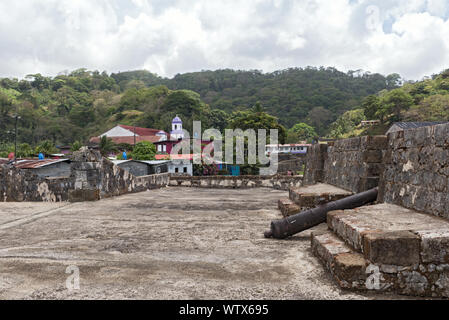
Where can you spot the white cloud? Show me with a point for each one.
(174, 36)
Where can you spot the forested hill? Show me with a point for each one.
(82, 104)
(293, 95)
(426, 100)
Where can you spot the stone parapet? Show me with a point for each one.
(314, 170)
(355, 164)
(20, 185)
(278, 182)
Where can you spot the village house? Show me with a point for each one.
(401, 126)
(176, 136)
(131, 135)
(140, 168)
(165, 161)
(287, 148)
(370, 123)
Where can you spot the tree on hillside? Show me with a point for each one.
(431, 108)
(394, 103)
(320, 118)
(370, 106)
(301, 132)
(393, 81)
(257, 120)
(218, 119)
(144, 151)
(345, 125)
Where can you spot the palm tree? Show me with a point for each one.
(107, 145)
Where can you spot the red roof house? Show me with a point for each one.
(131, 135)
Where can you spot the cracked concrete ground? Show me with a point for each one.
(173, 243)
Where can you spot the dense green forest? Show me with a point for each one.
(314, 95)
(78, 105)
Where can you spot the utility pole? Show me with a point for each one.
(15, 140)
(16, 116)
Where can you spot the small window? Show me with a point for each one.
(185, 169)
(164, 148)
(176, 170)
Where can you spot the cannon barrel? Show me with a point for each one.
(284, 228)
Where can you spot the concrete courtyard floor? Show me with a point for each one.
(173, 243)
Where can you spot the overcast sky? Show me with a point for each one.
(409, 37)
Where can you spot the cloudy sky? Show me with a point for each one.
(409, 37)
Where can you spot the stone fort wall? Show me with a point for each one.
(92, 178)
(416, 174)
(352, 164)
(355, 164)
(19, 185)
(314, 170)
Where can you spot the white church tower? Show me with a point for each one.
(176, 132)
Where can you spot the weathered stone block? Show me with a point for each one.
(287, 207)
(434, 246)
(374, 142)
(373, 169)
(351, 267)
(441, 135)
(372, 156)
(370, 183)
(400, 248)
(347, 267)
(82, 195)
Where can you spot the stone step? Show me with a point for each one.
(393, 235)
(346, 266)
(288, 207)
(352, 270)
(307, 197)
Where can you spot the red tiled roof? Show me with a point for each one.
(141, 131)
(128, 140)
(177, 156)
(174, 157)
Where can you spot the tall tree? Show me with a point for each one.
(320, 118)
(301, 132)
(144, 151)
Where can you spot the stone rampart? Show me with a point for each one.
(416, 172)
(314, 170)
(20, 185)
(92, 178)
(278, 182)
(355, 164)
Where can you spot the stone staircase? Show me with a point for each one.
(308, 197)
(385, 248)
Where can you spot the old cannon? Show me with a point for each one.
(284, 228)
